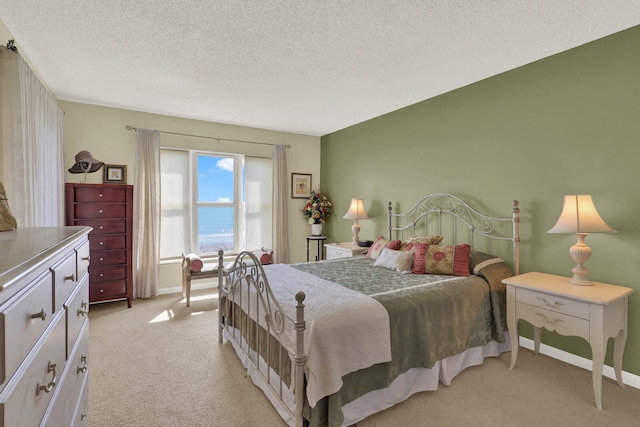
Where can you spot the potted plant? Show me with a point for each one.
(316, 210)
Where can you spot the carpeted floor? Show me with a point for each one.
(160, 364)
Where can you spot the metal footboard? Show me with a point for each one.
(251, 317)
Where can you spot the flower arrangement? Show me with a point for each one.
(318, 208)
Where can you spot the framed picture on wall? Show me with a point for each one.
(115, 174)
(300, 185)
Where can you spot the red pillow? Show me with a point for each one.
(393, 244)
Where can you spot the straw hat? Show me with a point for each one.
(85, 163)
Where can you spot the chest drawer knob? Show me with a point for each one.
(48, 387)
(100, 195)
(100, 211)
(42, 315)
(86, 258)
(101, 243)
(82, 369)
(72, 277)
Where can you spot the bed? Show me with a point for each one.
(334, 341)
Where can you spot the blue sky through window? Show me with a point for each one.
(215, 179)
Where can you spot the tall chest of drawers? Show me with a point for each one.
(44, 330)
(108, 210)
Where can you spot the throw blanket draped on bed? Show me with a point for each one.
(346, 330)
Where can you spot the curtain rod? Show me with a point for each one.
(135, 129)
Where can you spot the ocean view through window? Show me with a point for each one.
(214, 201)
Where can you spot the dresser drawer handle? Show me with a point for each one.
(47, 388)
(548, 304)
(548, 320)
(100, 211)
(72, 277)
(101, 243)
(101, 227)
(101, 274)
(42, 315)
(87, 258)
(100, 195)
(82, 311)
(82, 369)
(101, 259)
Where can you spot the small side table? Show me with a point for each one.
(320, 251)
(343, 250)
(595, 313)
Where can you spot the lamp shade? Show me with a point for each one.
(579, 215)
(356, 210)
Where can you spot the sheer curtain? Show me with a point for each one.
(31, 145)
(146, 214)
(280, 205)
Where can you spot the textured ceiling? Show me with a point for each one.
(304, 66)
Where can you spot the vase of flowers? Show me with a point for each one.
(316, 210)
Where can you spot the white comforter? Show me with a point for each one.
(345, 330)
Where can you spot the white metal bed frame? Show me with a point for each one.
(236, 282)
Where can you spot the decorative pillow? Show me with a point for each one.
(419, 257)
(264, 255)
(376, 249)
(393, 244)
(448, 260)
(410, 243)
(196, 262)
(395, 260)
(435, 259)
(478, 260)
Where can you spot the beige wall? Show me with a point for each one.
(102, 131)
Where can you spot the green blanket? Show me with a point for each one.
(431, 317)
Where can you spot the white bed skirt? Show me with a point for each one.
(404, 386)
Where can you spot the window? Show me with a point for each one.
(214, 201)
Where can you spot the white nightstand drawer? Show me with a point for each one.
(553, 302)
(553, 321)
(335, 253)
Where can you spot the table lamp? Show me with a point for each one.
(579, 216)
(356, 211)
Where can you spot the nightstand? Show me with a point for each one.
(595, 313)
(343, 250)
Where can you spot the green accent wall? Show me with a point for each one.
(567, 124)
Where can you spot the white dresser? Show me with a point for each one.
(44, 331)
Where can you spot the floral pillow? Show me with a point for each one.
(435, 259)
(399, 261)
(376, 249)
(410, 243)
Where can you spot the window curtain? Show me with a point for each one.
(32, 145)
(146, 214)
(280, 205)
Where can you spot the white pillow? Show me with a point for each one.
(395, 260)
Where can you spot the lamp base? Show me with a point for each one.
(580, 252)
(355, 228)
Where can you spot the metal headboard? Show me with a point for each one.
(432, 209)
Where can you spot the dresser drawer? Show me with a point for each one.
(100, 211)
(553, 303)
(22, 323)
(63, 409)
(100, 258)
(81, 419)
(82, 259)
(64, 280)
(101, 243)
(106, 290)
(25, 399)
(109, 273)
(100, 195)
(77, 308)
(553, 321)
(105, 227)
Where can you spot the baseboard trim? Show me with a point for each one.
(627, 378)
(202, 284)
